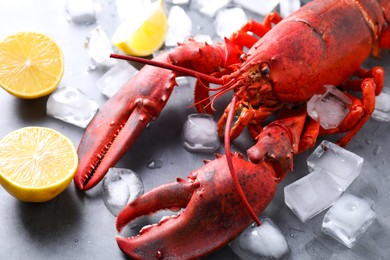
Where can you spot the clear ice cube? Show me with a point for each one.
(120, 187)
(179, 26)
(178, 2)
(182, 81)
(99, 48)
(127, 8)
(209, 8)
(329, 108)
(311, 194)
(113, 79)
(225, 25)
(287, 7)
(382, 107)
(259, 6)
(203, 38)
(261, 241)
(342, 165)
(71, 105)
(81, 11)
(348, 219)
(200, 133)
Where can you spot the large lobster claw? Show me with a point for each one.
(213, 214)
(124, 116)
(120, 121)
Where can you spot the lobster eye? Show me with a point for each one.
(264, 69)
(243, 57)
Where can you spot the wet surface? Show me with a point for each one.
(76, 225)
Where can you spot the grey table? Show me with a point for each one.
(76, 225)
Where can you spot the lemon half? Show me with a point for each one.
(143, 32)
(36, 163)
(31, 65)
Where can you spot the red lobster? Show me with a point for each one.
(325, 42)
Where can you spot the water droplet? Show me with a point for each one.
(154, 164)
(76, 240)
(377, 150)
(159, 255)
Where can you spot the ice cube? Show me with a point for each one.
(256, 242)
(120, 187)
(203, 38)
(126, 8)
(179, 26)
(342, 165)
(329, 108)
(259, 6)
(312, 194)
(182, 81)
(81, 11)
(225, 25)
(71, 105)
(382, 107)
(178, 2)
(200, 133)
(111, 81)
(209, 8)
(348, 219)
(287, 7)
(99, 48)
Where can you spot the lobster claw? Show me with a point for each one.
(213, 212)
(120, 121)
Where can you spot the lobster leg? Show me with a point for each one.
(247, 116)
(280, 140)
(310, 134)
(371, 85)
(385, 40)
(361, 111)
(242, 39)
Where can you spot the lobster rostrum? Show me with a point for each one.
(289, 60)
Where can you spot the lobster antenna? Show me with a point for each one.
(169, 66)
(237, 184)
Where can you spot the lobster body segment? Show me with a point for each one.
(315, 46)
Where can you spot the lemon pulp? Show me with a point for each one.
(31, 65)
(36, 163)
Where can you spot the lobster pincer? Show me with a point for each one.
(124, 116)
(118, 124)
(213, 212)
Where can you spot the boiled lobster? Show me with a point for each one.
(288, 61)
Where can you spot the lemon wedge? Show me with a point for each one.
(36, 163)
(31, 65)
(143, 32)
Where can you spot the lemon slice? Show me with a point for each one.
(143, 32)
(31, 65)
(36, 163)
